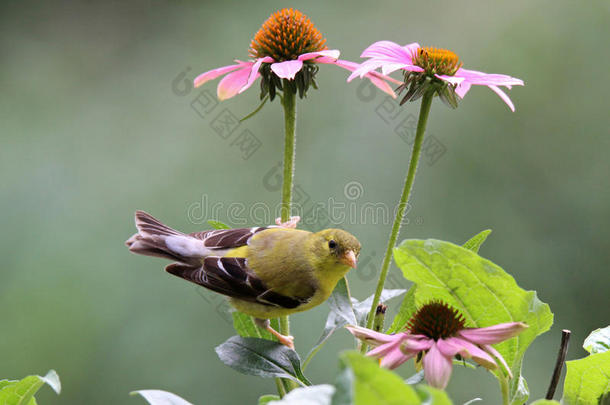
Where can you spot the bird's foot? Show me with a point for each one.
(266, 325)
(286, 340)
(291, 223)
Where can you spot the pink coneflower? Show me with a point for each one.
(425, 67)
(287, 46)
(436, 334)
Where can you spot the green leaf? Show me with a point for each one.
(341, 313)
(476, 241)
(406, 311)
(262, 358)
(598, 341)
(340, 302)
(5, 383)
(314, 395)
(432, 396)
(345, 310)
(333, 322)
(265, 399)
(484, 293)
(373, 385)
(519, 391)
(22, 392)
(159, 397)
(545, 402)
(344, 383)
(218, 225)
(244, 326)
(587, 380)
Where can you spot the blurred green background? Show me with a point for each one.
(96, 123)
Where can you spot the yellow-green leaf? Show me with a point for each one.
(587, 380)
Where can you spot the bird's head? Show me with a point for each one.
(339, 246)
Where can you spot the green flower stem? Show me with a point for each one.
(505, 391)
(402, 207)
(290, 119)
(280, 387)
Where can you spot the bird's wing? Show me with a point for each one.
(231, 276)
(226, 238)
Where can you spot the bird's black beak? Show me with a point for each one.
(349, 259)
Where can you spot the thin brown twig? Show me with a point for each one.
(561, 357)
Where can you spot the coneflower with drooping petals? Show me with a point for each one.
(427, 68)
(436, 334)
(287, 46)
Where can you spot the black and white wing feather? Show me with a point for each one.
(230, 276)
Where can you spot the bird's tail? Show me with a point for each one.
(153, 239)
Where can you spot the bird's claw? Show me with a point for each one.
(287, 341)
(291, 223)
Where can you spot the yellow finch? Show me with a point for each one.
(266, 272)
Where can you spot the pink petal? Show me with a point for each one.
(390, 52)
(379, 80)
(451, 79)
(254, 72)
(411, 48)
(448, 347)
(327, 55)
(383, 349)
(387, 55)
(233, 83)
(287, 69)
(395, 358)
(390, 354)
(372, 337)
(452, 346)
(437, 368)
(503, 96)
(498, 356)
(486, 79)
(214, 73)
(413, 68)
(364, 68)
(417, 344)
(390, 67)
(382, 85)
(493, 334)
(418, 337)
(404, 343)
(462, 89)
(345, 64)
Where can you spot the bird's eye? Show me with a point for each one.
(332, 244)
